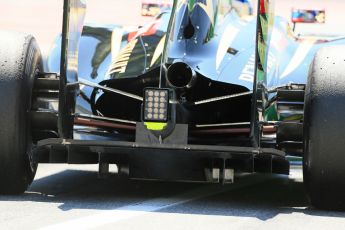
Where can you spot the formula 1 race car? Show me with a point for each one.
(197, 95)
(307, 16)
(154, 7)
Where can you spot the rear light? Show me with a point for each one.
(156, 105)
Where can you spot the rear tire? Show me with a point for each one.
(20, 61)
(324, 130)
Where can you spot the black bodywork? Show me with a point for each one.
(201, 145)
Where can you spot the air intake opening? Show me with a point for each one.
(189, 30)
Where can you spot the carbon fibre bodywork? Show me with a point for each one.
(236, 87)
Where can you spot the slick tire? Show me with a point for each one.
(324, 130)
(20, 61)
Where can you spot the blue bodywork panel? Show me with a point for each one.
(228, 56)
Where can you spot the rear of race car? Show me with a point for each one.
(185, 126)
(177, 120)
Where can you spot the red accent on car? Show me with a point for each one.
(131, 35)
(148, 30)
(262, 7)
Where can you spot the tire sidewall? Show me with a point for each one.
(17, 166)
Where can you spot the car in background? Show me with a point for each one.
(307, 16)
(154, 7)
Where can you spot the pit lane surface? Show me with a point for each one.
(72, 197)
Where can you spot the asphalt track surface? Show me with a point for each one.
(73, 197)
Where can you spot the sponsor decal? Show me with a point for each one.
(228, 37)
(122, 59)
(247, 73)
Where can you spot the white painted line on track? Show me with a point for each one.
(105, 217)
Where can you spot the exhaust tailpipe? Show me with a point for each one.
(180, 75)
